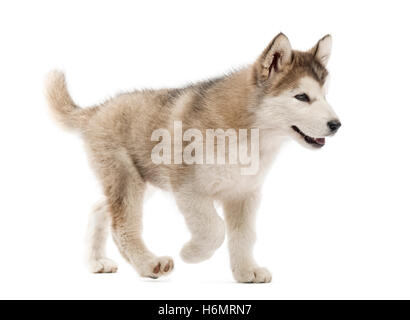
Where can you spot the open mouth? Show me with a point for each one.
(316, 142)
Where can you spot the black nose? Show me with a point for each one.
(334, 125)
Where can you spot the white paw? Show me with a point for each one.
(202, 247)
(252, 275)
(156, 267)
(103, 265)
(195, 253)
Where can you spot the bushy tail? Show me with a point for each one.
(67, 113)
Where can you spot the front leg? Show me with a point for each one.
(206, 227)
(240, 220)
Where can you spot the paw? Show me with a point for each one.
(202, 247)
(103, 265)
(157, 267)
(195, 253)
(252, 275)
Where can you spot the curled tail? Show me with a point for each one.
(67, 113)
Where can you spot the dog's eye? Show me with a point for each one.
(303, 97)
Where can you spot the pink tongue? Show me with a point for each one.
(320, 140)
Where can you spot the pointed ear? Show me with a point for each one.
(274, 58)
(323, 49)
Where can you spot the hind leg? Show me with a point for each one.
(124, 189)
(97, 233)
(206, 227)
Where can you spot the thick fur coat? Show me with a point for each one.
(282, 94)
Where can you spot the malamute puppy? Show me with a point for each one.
(281, 95)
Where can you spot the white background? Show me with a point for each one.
(333, 223)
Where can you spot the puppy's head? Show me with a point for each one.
(292, 86)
